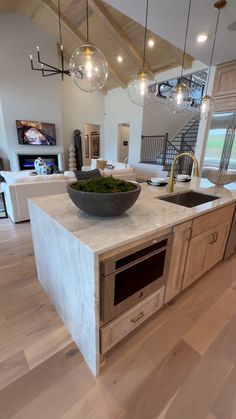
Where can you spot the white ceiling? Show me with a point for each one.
(167, 18)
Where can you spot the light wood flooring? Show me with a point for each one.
(179, 365)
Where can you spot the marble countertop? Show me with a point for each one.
(148, 214)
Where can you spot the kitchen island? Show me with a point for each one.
(70, 246)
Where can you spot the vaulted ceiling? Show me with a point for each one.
(110, 30)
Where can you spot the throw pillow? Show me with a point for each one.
(88, 174)
(101, 164)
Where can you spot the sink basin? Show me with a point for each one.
(189, 199)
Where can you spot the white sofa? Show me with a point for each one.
(20, 186)
(120, 170)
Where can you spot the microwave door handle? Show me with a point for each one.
(129, 265)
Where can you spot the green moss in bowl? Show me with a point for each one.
(104, 185)
(104, 196)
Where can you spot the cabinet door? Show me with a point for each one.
(205, 251)
(215, 251)
(177, 260)
(195, 264)
(225, 80)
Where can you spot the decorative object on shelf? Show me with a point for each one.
(48, 69)
(42, 168)
(139, 87)
(104, 196)
(207, 103)
(95, 144)
(78, 149)
(88, 65)
(180, 97)
(72, 158)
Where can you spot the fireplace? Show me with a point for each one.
(26, 161)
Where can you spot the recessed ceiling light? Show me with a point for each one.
(120, 59)
(151, 43)
(202, 37)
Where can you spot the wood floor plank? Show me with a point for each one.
(97, 403)
(166, 338)
(225, 405)
(59, 381)
(47, 346)
(212, 322)
(152, 395)
(200, 389)
(13, 368)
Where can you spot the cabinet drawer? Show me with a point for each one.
(117, 329)
(212, 219)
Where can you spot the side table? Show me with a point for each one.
(4, 210)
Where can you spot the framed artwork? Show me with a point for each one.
(86, 142)
(95, 144)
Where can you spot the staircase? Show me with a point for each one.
(183, 141)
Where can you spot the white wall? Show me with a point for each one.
(158, 119)
(118, 110)
(3, 141)
(24, 93)
(80, 108)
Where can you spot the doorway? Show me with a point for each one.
(123, 142)
(91, 143)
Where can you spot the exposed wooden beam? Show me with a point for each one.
(103, 14)
(77, 35)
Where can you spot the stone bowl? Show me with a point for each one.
(104, 204)
(214, 176)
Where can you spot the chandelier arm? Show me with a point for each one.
(145, 35)
(185, 39)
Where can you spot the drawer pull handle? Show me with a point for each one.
(212, 238)
(139, 317)
(190, 233)
(216, 237)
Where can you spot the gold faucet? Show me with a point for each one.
(170, 186)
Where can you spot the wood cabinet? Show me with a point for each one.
(224, 90)
(225, 80)
(177, 261)
(205, 251)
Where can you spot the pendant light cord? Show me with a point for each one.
(213, 48)
(87, 35)
(185, 39)
(145, 35)
(59, 17)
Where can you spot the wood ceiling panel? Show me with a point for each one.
(111, 31)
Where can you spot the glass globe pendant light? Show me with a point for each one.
(207, 106)
(139, 87)
(180, 96)
(88, 66)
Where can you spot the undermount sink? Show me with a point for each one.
(189, 199)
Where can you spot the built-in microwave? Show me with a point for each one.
(131, 276)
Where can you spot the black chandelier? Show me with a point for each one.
(47, 69)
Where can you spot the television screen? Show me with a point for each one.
(36, 133)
